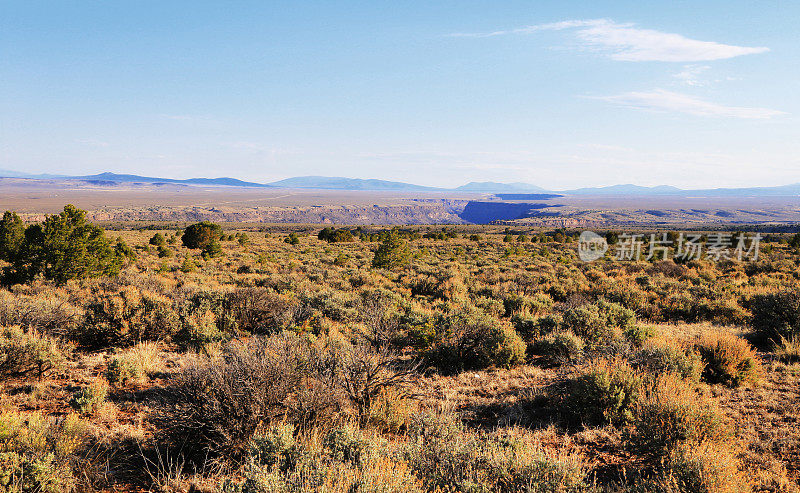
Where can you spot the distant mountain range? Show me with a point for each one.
(491, 186)
(355, 184)
(338, 183)
(114, 177)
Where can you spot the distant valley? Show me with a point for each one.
(336, 200)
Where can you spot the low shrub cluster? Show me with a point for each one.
(345, 459)
(776, 315)
(40, 454)
(219, 407)
(606, 393)
(28, 353)
(559, 347)
(88, 400)
(446, 455)
(469, 339)
(670, 413)
(660, 356)
(728, 359)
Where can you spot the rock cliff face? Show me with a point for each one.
(486, 212)
(417, 211)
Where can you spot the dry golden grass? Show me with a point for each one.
(696, 306)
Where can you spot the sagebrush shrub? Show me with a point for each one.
(37, 452)
(598, 323)
(587, 322)
(660, 356)
(89, 399)
(705, 468)
(28, 353)
(122, 370)
(638, 334)
(319, 472)
(524, 466)
(126, 316)
(559, 347)
(473, 340)
(449, 457)
(199, 330)
(729, 360)
(276, 447)
(46, 312)
(26, 473)
(776, 315)
(671, 412)
(218, 408)
(260, 311)
(361, 374)
(348, 444)
(529, 328)
(607, 392)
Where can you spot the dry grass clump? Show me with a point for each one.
(134, 364)
(729, 360)
(788, 350)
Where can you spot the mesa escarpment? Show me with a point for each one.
(170, 202)
(435, 213)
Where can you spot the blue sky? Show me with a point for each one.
(556, 93)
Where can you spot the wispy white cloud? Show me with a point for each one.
(668, 101)
(93, 142)
(691, 75)
(193, 119)
(630, 43)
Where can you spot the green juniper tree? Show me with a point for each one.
(65, 246)
(11, 235)
(200, 235)
(392, 253)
